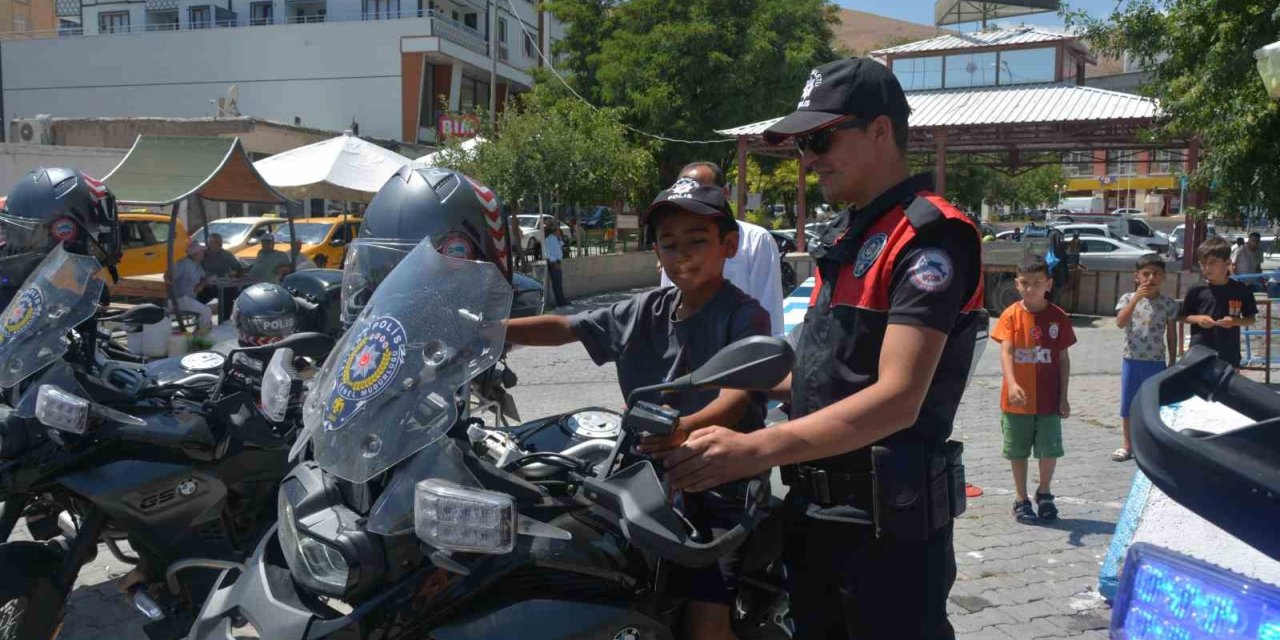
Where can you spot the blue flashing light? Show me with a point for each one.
(1165, 595)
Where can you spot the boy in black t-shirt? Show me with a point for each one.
(1217, 309)
(662, 334)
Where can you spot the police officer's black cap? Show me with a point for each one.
(688, 194)
(847, 88)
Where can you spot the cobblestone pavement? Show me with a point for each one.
(1015, 581)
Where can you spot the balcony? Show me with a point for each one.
(313, 11)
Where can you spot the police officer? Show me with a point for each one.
(881, 362)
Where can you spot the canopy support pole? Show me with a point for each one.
(742, 178)
(802, 206)
(940, 164)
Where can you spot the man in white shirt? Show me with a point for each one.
(553, 250)
(756, 269)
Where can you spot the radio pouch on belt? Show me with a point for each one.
(955, 477)
(912, 490)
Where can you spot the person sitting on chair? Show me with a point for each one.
(187, 279)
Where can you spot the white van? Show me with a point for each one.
(1082, 204)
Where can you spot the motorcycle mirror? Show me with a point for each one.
(757, 363)
(309, 344)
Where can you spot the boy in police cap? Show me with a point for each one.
(662, 334)
(881, 362)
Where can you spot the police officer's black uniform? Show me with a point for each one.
(869, 533)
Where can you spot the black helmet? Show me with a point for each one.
(463, 218)
(264, 313)
(51, 206)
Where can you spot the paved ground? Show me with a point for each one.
(1015, 581)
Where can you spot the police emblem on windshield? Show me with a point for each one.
(867, 255)
(22, 313)
(368, 369)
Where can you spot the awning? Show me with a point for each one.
(341, 168)
(163, 170)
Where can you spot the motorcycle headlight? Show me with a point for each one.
(318, 561)
(455, 518)
(61, 410)
(279, 384)
(325, 545)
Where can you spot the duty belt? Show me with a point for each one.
(826, 487)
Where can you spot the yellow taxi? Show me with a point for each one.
(326, 237)
(144, 239)
(239, 232)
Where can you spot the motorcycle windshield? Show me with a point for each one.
(59, 295)
(390, 388)
(368, 263)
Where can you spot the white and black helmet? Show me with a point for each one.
(264, 313)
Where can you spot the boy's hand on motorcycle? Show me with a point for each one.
(658, 447)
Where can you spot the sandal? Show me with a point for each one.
(1121, 455)
(1044, 504)
(1022, 512)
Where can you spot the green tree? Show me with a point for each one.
(1205, 79)
(684, 68)
(552, 148)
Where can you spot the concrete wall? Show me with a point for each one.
(590, 275)
(16, 160)
(325, 74)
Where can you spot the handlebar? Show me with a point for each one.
(636, 497)
(1232, 478)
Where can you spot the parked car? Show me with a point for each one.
(1128, 212)
(1176, 238)
(144, 240)
(320, 236)
(1132, 230)
(1011, 235)
(239, 233)
(600, 217)
(786, 239)
(1099, 253)
(531, 225)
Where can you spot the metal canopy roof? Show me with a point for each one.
(1049, 117)
(990, 38)
(962, 11)
(163, 170)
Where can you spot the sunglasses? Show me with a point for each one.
(819, 142)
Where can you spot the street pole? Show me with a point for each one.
(493, 61)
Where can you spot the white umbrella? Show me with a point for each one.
(467, 147)
(341, 168)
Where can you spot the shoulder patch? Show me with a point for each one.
(931, 271)
(922, 213)
(871, 249)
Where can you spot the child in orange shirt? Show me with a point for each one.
(1034, 336)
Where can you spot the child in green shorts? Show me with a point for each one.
(1034, 335)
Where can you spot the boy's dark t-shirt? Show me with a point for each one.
(1218, 301)
(640, 334)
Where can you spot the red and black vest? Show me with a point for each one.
(838, 352)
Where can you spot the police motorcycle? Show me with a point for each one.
(405, 516)
(175, 477)
(1231, 479)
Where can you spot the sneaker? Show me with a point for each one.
(1044, 503)
(1022, 512)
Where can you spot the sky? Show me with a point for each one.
(921, 11)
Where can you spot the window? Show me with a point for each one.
(1026, 66)
(474, 94)
(1076, 164)
(471, 20)
(1097, 246)
(1088, 231)
(19, 23)
(131, 233)
(1122, 162)
(113, 22)
(529, 49)
(502, 30)
(1167, 161)
(261, 13)
(971, 70)
(919, 74)
(381, 9)
(159, 232)
(200, 18)
(1139, 228)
